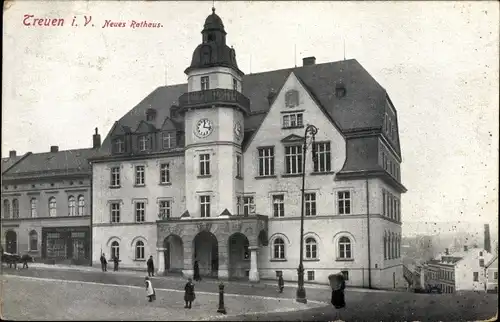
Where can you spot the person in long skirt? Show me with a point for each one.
(337, 283)
(196, 272)
(281, 282)
(150, 291)
(189, 294)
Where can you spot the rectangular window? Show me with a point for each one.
(238, 167)
(476, 276)
(391, 209)
(346, 275)
(293, 159)
(140, 174)
(292, 120)
(165, 173)
(395, 205)
(205, 83)
(238, 205)
(205, 206)
(495, 275)
(235, 84)
(204, 164)
(248, 205)
(115, 212)
(310, 275)
(140, 211)
(144, 143)
(119, 145)
(310, 201)
(167, 140)
(115, 176)
(266, 161)
(481, 263)
(278, 205)
(322, 161)
(344, 202)
(165, 209)
(383, 203)
(384, 161)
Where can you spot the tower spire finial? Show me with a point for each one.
(213, 6)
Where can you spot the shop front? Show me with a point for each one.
(68, 245)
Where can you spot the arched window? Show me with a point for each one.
(71, 206)
(139, 249)
(345, 251)
(15, 208)
(33, 205)
(81, 205)
(6, 209)
(311, 248)
(279, 249)
(33, 241)
(393, 246)
(52, 207)
(115, 249)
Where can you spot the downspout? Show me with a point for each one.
(91, 212)
(368, 230)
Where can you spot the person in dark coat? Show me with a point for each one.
(104, 263)
(196, 274)
(281, 282)
(115, 262)
(189, 294)
(338, 286)
(151, 266)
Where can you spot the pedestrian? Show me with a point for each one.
(196, 274)
(281, 282)
(150, 291)
(104, 263)
(115, 262)
(337, 283)
(151, 266)
(189, 293)
(25, 259)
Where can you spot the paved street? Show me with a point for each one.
(362, 305)
(28, 298)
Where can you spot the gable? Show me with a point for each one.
(145, 127)
(286, 122)
(119, 129)
(168, 125)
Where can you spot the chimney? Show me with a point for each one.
(54, 148)
(487, 239)
(12, 154)
(307, 61)
(96, 138)
(465, 248)
(447, 251)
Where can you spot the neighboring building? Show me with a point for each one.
(46, 205)
(460, 271)
(491, 271)
(210, 171)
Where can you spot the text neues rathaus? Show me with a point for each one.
(211, 171)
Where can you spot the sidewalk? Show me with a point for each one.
(264, 283)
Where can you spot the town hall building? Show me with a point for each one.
(211, 172)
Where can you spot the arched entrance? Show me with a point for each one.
(174, 254)
(206, 252)
(239, 256)
(11, 242)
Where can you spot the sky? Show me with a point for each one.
(437, 60)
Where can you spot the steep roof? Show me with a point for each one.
(492, 261)
(362, 107)
(10, 161)
(71, 161)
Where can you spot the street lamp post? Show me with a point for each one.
(301, 291)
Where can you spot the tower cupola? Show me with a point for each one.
(213, 51)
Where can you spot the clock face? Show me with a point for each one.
(237, 130)
(203, 128)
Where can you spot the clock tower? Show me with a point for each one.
(214, 110)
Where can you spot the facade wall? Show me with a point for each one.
(470, 264)
(42, 190)
(126, 236)
(220, 77)
(491, 273)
